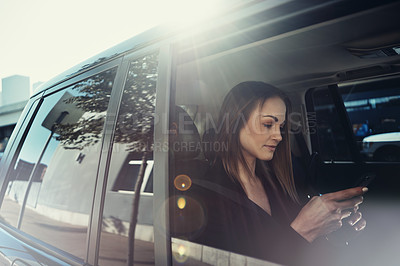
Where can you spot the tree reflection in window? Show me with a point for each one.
(56, 169)
(135, 123)
(93, 98)
(132, 157)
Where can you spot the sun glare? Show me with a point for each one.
(192, 11)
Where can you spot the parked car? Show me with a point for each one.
(383, 147)
(142, 109)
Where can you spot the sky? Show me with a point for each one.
(42, 38)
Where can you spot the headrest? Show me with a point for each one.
(185, 138)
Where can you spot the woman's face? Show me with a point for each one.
(262, 132)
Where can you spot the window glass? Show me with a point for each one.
(332, 142)
(132, 145)
(55, 172)
(373, 109)
(374, 112)
(5, 133)
(208, 223)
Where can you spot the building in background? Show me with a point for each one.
(14, 96)
(15, 89)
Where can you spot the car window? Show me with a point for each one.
(373, 110)
(207, 225)
(5, 133)
(132, 145)
(50, 188)
(328, 131)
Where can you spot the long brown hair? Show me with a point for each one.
(235, 111)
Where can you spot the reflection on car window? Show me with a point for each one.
(5, 133)
(132, 144)
(50, 189)
(128, 174)
(374, 111)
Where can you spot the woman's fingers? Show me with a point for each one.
(323, 215)
(355, 218)
(349, 204)
(345, 214)
(338, 206)
(346, 194)
(360, 225)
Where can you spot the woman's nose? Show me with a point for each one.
(277, 135)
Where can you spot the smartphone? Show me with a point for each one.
(365, 180)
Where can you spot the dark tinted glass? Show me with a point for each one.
(374, 112)
(332, 142)
(5, 133)
(132, 150)
(54, 176)
(373, 109)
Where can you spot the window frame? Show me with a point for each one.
(160, 167)
(14, 144)
(23, 131)
(345, 124)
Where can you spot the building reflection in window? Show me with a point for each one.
(50, 190)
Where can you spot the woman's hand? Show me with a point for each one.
(356, 220)
(323, 215)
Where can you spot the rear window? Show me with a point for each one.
(373, 111)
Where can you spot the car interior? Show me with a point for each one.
(322, 68)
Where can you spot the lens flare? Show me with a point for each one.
(181, 254)
(182, 182)
(181, 250)
(189, 217)
(181, 203)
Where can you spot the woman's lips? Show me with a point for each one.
(270, 147)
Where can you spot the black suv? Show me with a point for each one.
(89, 176)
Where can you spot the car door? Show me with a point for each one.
(49, 183)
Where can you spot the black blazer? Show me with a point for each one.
(219, 214)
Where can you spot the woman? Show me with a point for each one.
(249, 193)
